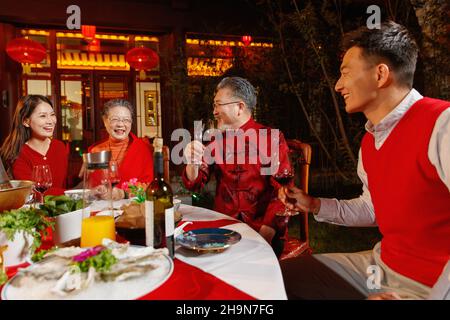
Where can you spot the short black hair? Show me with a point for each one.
(392, 44)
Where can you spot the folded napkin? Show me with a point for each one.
(191, 283)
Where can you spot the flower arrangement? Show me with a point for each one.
(135, 189)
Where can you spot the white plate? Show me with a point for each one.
(30, 289)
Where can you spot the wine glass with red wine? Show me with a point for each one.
(285, 177)
(42, 177)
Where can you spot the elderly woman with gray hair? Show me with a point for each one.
(132, 155)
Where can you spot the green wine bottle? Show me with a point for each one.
(159, 211)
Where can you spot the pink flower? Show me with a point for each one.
(88, 253)
(133, 181)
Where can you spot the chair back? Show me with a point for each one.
(300, 156)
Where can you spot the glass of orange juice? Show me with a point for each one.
(98, 214)
(95, 228)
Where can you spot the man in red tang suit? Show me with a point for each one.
(404, 166)
(243, 156)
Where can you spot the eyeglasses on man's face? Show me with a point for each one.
(217, 104)
(115, 120)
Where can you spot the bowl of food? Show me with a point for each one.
(75, 194)
(15, 197)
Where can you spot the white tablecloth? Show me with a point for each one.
(250, 265)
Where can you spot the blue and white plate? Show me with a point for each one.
(208, 239)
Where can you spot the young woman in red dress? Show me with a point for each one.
(31, 143)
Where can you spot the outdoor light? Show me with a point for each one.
(246, 40)
(94, 46)
(88, 32)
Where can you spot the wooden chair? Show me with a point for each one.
(300, 156)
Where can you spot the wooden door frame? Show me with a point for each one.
(94, 78)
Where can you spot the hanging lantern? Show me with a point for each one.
(25, 51)
(88, 32)
(94, 45)
(246, 40)
(142, 59)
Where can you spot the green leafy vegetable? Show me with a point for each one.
(29, 220)
(3, 277)
(101, 262)
(56, 205)
(38, 256)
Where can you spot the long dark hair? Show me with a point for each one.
(19, 133)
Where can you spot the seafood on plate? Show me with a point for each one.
(73, 269)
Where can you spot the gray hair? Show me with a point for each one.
(241, 88)
(117, 103)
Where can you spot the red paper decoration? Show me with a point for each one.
(25, 50)
(246, 40)
(142, 58)
(88, 32)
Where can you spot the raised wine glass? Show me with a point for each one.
(199, 127)
(285, 177)
(42, 178)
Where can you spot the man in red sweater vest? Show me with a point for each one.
(404, 165)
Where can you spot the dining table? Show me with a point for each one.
(247, 270)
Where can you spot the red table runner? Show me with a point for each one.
(186, 282)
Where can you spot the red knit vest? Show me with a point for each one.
(412, 204)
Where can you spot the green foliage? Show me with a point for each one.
(55, 205)
(101, 262)
(38, 256)
(29, 220)
(3, 277)
(328, 238)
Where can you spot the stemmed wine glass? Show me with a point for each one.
(285, 177)
(114, 173)
(199, 126)
(42, 177)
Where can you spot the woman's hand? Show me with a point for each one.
(102, 192)
(118, 194)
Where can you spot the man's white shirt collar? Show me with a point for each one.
(382, 130)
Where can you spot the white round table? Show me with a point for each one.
(250, 265)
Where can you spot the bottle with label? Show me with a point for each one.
(159, 210)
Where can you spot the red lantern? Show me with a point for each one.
(88, 32)
(246, 40)
(142, 59)
(25, 50)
